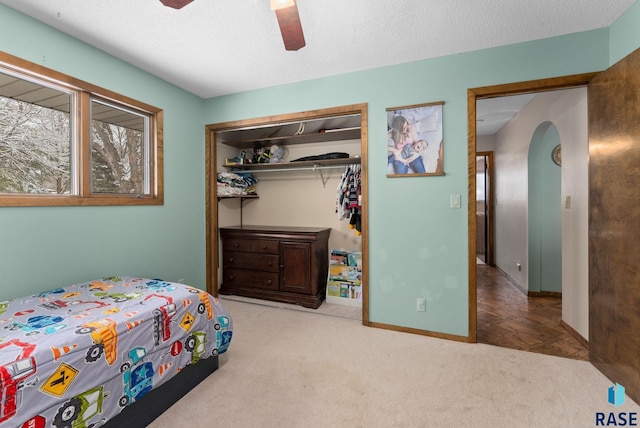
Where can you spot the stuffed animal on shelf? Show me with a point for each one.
(260, 154)
(277, 154)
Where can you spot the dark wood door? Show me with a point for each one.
(614, 216)
(295, 260)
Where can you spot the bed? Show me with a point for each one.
(117, 351)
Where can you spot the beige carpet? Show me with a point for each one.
(331, 309)
(289, 368)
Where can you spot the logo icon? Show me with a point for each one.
(616, 395)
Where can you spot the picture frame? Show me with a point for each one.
(415, 145)
(556, 155)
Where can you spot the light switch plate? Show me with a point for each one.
(455, 200)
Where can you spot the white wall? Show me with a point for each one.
(485, 143)
(571, 119)
(567, 110)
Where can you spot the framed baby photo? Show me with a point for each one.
(414, 140)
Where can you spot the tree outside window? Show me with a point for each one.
(67, 142)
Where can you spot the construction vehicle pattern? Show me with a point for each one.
(205, 303)
(42, 364)
(159, 285)
(50, 292)
(195, 344)
(223, 334)
(162, 322)
(73, 306)
(13, 377)
(118, 297)
(78, 411)
(38, 324)
(105, 339)
(137, 376)
(162, 318)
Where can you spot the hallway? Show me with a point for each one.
(507, 317)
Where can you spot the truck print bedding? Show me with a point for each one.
(78, 356)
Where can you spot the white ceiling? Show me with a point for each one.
(493, 113)
(218, 47)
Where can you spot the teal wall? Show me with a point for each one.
(418, 245)
(545, 219)
(624, 34)
(47, 247)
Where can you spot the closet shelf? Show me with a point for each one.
(293, 166)
(318, 137)
(298, 132)
(243, 197)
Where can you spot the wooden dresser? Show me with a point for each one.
(285, 264)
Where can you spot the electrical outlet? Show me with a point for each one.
(421, 304)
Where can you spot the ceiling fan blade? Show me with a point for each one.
(291, 28)
(176, 4)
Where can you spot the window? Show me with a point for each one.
(67, 142)
(35, 137)
(119, 148)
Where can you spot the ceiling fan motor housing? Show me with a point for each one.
(176, 4)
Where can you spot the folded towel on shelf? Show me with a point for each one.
(236, 184)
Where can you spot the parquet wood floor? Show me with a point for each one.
(507, 317)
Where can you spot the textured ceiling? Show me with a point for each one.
(218, 47)
(493, 113)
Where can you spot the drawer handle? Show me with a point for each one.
(264, 247)
(270, 264)
(269, 281)
(236, 245)
(231, 277)
(231, 259)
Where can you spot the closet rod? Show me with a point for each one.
(306, 168)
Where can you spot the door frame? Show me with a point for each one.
(474, 94)
(490, 228)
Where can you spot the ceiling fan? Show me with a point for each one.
(288, 20)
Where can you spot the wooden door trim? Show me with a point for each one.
(474, 94)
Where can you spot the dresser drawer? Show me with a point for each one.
(251, 245)
(251, 279)
(251, 261)
(265, 246)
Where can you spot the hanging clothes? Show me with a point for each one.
(348, 200)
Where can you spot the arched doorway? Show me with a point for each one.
(545, 220)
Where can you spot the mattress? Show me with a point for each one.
(76, 356)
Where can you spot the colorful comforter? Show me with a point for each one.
(76, 356)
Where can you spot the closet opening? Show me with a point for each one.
(278, 228)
